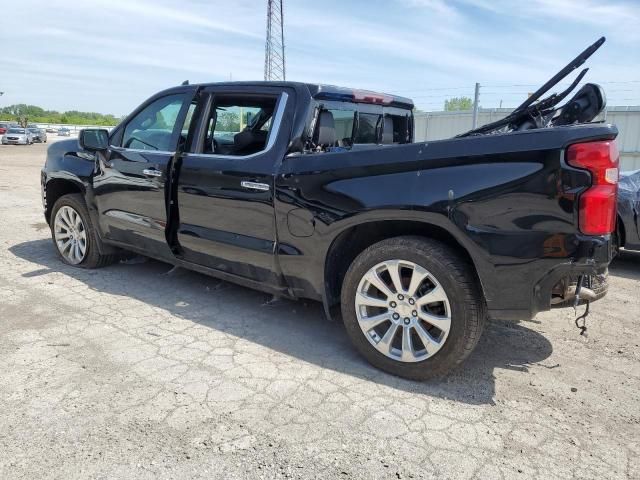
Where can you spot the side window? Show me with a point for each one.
(367, 131)
(239, 125)
(153, 127)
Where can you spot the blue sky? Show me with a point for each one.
(109, 55)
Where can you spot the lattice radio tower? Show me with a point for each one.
(274, 64)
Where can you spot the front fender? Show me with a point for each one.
(67, 169)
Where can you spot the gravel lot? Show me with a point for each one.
(134, 371)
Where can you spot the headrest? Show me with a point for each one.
(387, 130)
(326, 129)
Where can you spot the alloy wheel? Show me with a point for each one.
(403, 310)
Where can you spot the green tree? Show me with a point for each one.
(458, 103)
(37, 114)
(228, 122)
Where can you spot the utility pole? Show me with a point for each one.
(274, 60)
(476, 99)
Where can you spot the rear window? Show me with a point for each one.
(363, 124)
(400, 128)
(344, 121)
(367, 131)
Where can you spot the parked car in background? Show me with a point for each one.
(3, 128)
(628, 225)
(64, 132)
(39, 134)
(17, 136)
(51, 130)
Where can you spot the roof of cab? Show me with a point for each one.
(330, 92)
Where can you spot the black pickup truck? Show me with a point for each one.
(319, 192)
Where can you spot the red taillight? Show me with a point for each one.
(362, 96)
(597, 208)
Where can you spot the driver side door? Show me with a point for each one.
(129, 187)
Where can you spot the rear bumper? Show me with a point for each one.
(592, 258)
(592, 288)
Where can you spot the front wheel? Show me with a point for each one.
(74, 236)
(412, 307)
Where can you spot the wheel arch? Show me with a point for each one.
(56, 188)
(351, 241)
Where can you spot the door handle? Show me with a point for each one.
(152, 172)
(263, 187)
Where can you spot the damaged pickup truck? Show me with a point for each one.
(319, 192)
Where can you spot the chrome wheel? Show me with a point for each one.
(403, 310)
(70, 234)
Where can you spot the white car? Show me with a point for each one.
(17, 136)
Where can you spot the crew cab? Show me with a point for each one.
(319, 192)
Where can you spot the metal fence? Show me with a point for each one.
(440, 125)
(73, 128)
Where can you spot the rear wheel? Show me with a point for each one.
(74, 236)
(412, 307)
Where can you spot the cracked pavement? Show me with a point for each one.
(140, 371)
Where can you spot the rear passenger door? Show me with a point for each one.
(225, 186)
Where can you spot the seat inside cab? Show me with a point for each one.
(239, 124)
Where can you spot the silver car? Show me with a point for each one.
(17, 136)
(39, 134)
(64, 132)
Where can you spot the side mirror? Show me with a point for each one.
(94, 139)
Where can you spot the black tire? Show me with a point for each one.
(455, 275)
(93, 258)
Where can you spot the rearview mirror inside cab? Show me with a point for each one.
(94, 139)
